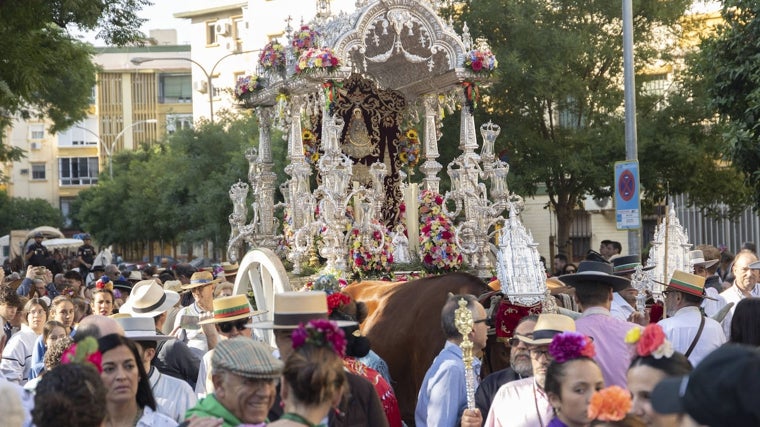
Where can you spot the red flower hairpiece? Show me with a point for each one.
(320, 333)
(609, 404)
(104, 283)
(571, 345)
(650, 341)
(85, 351)
(336, 301)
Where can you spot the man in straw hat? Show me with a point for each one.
(623, 304)
(232, 315)
(200, 338)
(173, 396)
(245, 377)
(701, 266)
(361, 405)
(523, 402)
(594, 285)
(173, 357)
(690, 332)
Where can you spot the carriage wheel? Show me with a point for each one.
(262, 272)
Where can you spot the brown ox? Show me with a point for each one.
(404, 327)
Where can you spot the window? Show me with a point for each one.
(175, 122)
(37, 131)
(38, 171)
(238, 27)
(65, 205)
(580, 233)
(211, 33)
(84, 133)
(78, 170)
(215, 86)
(175, 88)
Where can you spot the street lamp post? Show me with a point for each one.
(109, 151)
(209, 75)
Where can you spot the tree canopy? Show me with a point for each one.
(23, 214)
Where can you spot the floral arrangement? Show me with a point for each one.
(438, 250)
(330, 283)
(85, 351)
(650, 341)
(317, 59)
(310, 149)
(247, 85)
(609, 404)
(409, 148)
(320, 333)
(571, 345)
(337, 300)
(305, 38)
(481, 60)
(272, 57)
(364, 262)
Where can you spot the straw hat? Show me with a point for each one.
(547, 326)
(227, 309)
(135, 275)
(688, 283)
(141, 329)
(149, 299)
(697, 258)
(173, 285)
(294, 308)
(201, 278)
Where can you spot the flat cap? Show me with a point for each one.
(247, 358)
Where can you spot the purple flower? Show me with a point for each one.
(568, 345)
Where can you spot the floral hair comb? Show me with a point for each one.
(320, 333)
(609, 404)
(104, 283)
(85, 351)
(571, 345)
(650, 341)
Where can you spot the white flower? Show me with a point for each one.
(664, 350)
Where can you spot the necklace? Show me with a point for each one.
(292, 416)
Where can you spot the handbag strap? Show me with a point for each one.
(696, 338)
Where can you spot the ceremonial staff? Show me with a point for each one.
(464, 324)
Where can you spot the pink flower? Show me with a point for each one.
(651, 339)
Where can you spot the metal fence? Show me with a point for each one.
(704, 230)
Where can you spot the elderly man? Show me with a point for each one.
(520, 365)
(245, 374)
(443, 395)
(745, 278)
(200, 338)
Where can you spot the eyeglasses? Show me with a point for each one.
(537, 352)
(514, 341)
(485, 320)
(226, 327)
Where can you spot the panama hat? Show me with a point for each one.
(595, 272)
(149, 299)
(201, 278)
(234, 307)
(627, 264)
(141, 329)
(135, 275)
(294, 308)
(697, 258)
(173, 285)
(547, 326)
(688, 283)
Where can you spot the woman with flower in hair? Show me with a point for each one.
(571, 379)
(609, 408)
(313, 380)
(655, 360)
(103, 297)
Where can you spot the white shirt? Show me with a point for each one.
(17, 355)
(620, 308)
(712, 307)
(173, 396)
(154, 419)
(196, 339)
(682, 328)
(204, 385)
(520, 403)
(734, 295)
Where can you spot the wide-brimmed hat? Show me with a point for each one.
(294, 308)
(247, 358)
(173, 285)
(149, 299)
(595, 272)
(201, 278)
(688, 283)
(234, 307)
(727, 375)
(98, 268)
(697, 258)
(122, 285)
(135, 275)
(547, 326)
(141, 329)
(627, 264)
(230, 270)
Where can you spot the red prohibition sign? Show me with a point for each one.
(626, 185)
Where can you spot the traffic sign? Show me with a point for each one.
(627, 200)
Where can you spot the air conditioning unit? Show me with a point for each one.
(232, 46)
(223, 29)
(24, 171)
(36, 145)
(201, 86)
(594, 204)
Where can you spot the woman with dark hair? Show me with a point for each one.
(745, 325)
(17, 354)
(70, 395)
(655, 360)
(129, 399)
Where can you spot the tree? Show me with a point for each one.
(730, 65)
(558, 90)
(47, 72)
(23, 214)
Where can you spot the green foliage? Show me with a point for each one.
(24, 214)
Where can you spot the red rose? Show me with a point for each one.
(335, 62)
(477, 65)
(428, 259)
(650, 340)
(446, 235)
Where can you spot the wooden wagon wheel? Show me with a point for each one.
(262, 272)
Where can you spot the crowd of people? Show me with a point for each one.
(97, 346)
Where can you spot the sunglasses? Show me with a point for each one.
(226, 327)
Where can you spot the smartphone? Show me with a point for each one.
(187, 321)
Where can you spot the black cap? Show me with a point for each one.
(721, 391)
(38, 234)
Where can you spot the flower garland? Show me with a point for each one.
(609, 404)
(320, 333)
(409, 148)
(650, 342)
(310, 149)
(364, 262)
(85, 351)
(571, 345)
(438, 250)
(247, 85)
(305, 38)
(317, 59)
(272, 57)
(481, 61)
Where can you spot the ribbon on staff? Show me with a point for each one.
(471, 95)
(331, 89)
